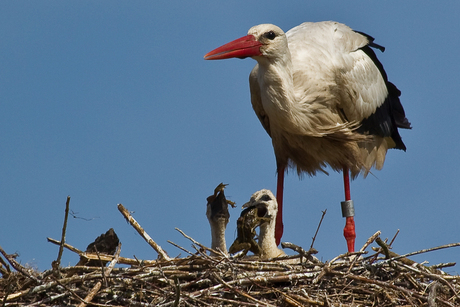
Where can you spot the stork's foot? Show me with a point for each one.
(349, 233)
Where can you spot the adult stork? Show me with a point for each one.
(324, 98)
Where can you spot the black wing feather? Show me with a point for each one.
(390, 116)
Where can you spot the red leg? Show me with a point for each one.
(349, 233)
(279, 198)
(346, 182)
(349, 230)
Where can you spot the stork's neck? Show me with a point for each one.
(275, 77)
(218, 235)
(267, 241)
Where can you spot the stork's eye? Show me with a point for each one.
(265, 197)
(270, 35)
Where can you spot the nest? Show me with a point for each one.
(103, 278)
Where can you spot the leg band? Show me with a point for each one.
(347, 208)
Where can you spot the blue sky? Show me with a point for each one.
(111, 102)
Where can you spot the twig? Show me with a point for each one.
(432, 294)
(18, 267)
(6, 271)
(180, 247)
(198, 243)
(57, 263)
(384, 247)
(89, 297)
(102, 265)
(68, 246)
(49, 299)
(177, 286)
(289, 299)
(302, 252)
(44, 287)
(103, 257)
(6, 292)
(113, 262)
(416, 253)
(348, 254)
(267, 279)
(304, 297)
(394, 237)
(238, 291)
(442, 265)
(162, 254)
(379, 283)
(71, 291)
(368, 242)
(317, 228)
(432, 276)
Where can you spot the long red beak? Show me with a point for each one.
(243, 47)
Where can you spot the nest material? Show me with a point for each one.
(201, 280)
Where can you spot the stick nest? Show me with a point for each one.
(380, 279)
(201, 280)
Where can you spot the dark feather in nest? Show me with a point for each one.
(106, 243)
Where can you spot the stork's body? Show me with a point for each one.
(323, 97)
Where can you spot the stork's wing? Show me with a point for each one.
(256, 99)
(376, 101)
(361, 78)
(328, 60)
(330, 57)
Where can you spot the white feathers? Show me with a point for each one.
(310, 89)
(327, 59)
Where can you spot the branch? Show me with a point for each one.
(162, 254)
(317, 229)
(55, 264)
(198, 243)
(416, 253)
(18, 267)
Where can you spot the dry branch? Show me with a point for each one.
(57, 262)
(18, 267)
(317, 228)
(395, 256)
(162, 254)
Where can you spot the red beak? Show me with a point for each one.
(243, 47)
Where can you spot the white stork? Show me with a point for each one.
(324, 98)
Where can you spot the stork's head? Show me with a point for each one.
(267, 209)
(265, 40)
(217, 209)
(266, 204)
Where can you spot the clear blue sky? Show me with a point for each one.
(111, 102)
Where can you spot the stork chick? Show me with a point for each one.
(267, 207)
(250, 218)
(218, 216)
